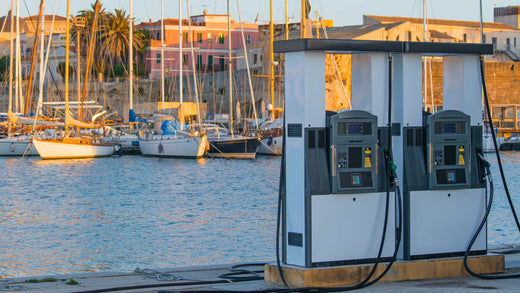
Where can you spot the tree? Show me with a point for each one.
(4, 67)
(111, 38)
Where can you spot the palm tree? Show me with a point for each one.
(112, 37)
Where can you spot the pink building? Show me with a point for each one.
(209, 35)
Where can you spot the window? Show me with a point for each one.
(158, 36)
(397, 39)
(514, 42)
(465, 36)
(494, 41)
(508, 43)
(484, 39)
(185, 37)
(255, 58)
(221, 38)
(185, 59)
(248, 39)
(158, 60)
(221, 62)
(199, 62)
(199, 37)
(409, 36)
(210, 38)
(210, 62)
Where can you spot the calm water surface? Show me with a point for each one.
(119, 213)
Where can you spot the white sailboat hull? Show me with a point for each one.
(270, 146)
(487, 143)
(13, 146)
(169, 146)
(56, 149)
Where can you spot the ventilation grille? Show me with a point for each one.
(294, 130)
(295, 239)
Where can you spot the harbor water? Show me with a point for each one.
(120, 213)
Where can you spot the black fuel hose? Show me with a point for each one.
(491, 189)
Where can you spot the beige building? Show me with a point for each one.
(389, 28)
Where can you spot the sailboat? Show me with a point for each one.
(15, 144)
(178, 143)
(73, 145)
(231, 145)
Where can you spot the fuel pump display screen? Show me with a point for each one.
(449, 128)
(354, 128)
(452, 127)
(349, 128)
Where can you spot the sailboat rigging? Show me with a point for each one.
(180, 143)
(72, 145)
(223, 144)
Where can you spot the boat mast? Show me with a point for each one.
(43, 63)
(196, 87)
(271, 57)
(67, 56)
(304, 19)
(230, 73)
(11, 64)
(425, 15)
(181, 93)
(78, 63)
(162, 54)
(42, 68)
(247, 65)
(97, 6)
(286, 21)
(18, 57)
(481, 24)
(33, 57)
(131, 58)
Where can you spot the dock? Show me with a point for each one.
(510, 146)
(211, 278)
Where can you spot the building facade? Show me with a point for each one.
(209, 38)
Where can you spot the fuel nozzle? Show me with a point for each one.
(392, 175)
(483, 161)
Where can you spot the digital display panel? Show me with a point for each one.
(449, 128)
(354, 128)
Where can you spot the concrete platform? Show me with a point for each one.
(149, 283)
(400, 271)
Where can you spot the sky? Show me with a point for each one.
(342, 12)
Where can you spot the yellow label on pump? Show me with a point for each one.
(461, 155)
(368, 164)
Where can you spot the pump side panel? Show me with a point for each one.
(442, 222)
(350, 227)
(305, 100)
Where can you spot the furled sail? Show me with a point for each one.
(73, 122)
(13, 119)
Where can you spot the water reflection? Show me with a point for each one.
(117, 213)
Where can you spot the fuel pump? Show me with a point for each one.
(344, 194)
(448, 150)
(354, 153)
(444, 187)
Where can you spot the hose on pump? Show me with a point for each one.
(486, 165)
